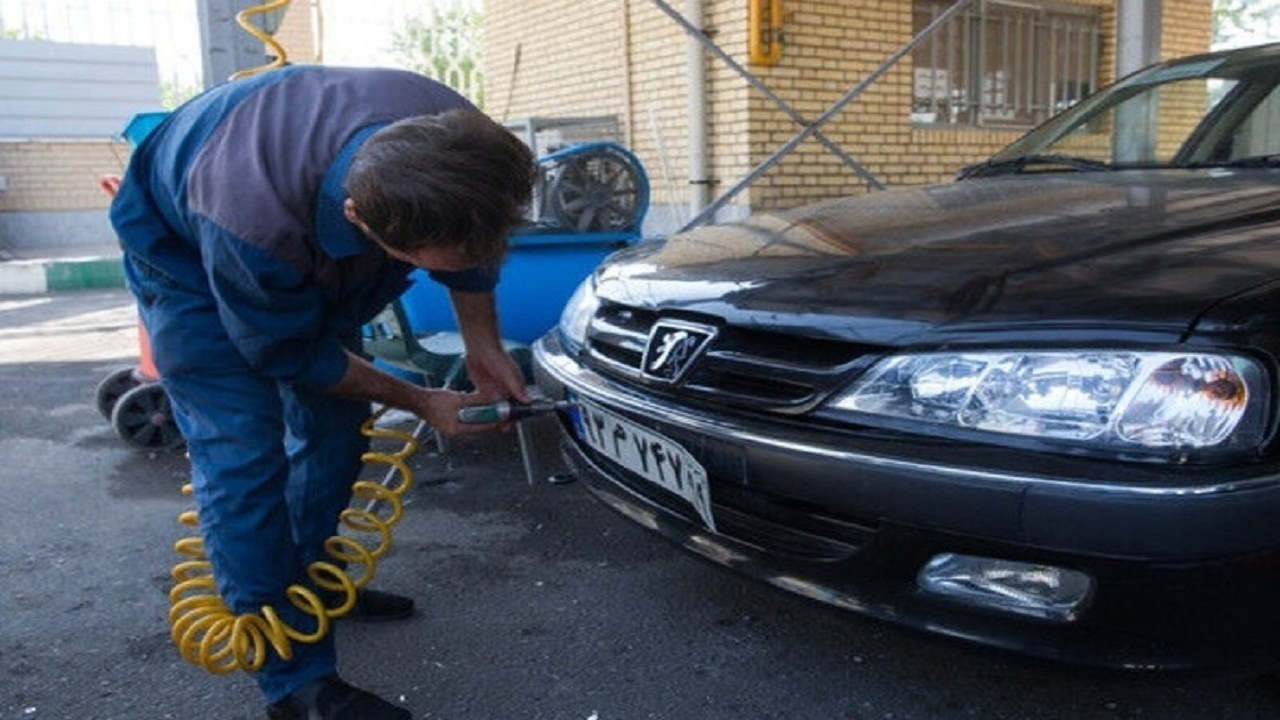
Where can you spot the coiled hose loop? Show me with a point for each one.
(243, 18)
(209, 635)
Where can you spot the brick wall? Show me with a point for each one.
(626, 57)
(297, 32)
(555, 59)
(50, 176)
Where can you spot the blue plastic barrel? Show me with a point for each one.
(540, 273)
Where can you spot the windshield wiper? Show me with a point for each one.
(1018, 164)
(1253, 161)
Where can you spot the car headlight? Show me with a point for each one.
(578, 311)
(1110, 398)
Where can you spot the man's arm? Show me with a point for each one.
(494, 373)
(438, 407)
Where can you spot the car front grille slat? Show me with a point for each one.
(743, 388)
(744, 367)
(618, 343)
(785, 527)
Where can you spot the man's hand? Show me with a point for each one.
(496, 375)
(439, 408)
(491, 369)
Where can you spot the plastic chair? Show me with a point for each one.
(438, 358)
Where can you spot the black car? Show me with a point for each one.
(1034, 408)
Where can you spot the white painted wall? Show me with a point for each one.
(62, 90)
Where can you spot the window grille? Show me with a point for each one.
(1003, 63)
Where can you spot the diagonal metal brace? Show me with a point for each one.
(810, 128)
(697, 34)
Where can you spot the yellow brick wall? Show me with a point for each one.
(1188, 28)
(623, 58)
(830, 46)
(630, 61)
(551, 61)
(53, 176)
(297, 32)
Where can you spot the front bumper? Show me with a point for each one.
(1186, 566)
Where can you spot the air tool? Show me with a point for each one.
(506, 410)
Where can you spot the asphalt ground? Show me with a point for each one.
(535, 601)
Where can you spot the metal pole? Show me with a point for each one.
(225, 47)
(814, 127)
(1137, 45)
(696, 99)
(1138, 35)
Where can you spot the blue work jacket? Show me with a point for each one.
(237, 198)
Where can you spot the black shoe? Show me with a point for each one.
(332, 699)
(375, 606)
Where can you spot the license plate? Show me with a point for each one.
(653, 457)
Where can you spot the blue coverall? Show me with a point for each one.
(250, 283)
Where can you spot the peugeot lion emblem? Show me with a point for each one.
(673, 347)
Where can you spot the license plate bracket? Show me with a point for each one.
(647, 454)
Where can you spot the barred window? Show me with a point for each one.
(1003, 63)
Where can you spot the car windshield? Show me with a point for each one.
(1208, 111)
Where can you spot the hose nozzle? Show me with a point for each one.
(506, 410)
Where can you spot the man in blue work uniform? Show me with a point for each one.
(262, 224)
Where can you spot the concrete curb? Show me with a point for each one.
(34, 277)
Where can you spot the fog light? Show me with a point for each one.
(1040, 591)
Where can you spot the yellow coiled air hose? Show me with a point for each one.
(211, 636)
(267, 38)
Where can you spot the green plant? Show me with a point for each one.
(174, 92)
(444, 44)
(1248, 18)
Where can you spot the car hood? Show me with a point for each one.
(1134, 255)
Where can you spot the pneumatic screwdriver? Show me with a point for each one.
(505, 410)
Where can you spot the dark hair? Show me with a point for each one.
(455, 180)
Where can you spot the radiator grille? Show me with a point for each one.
(760, 369)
